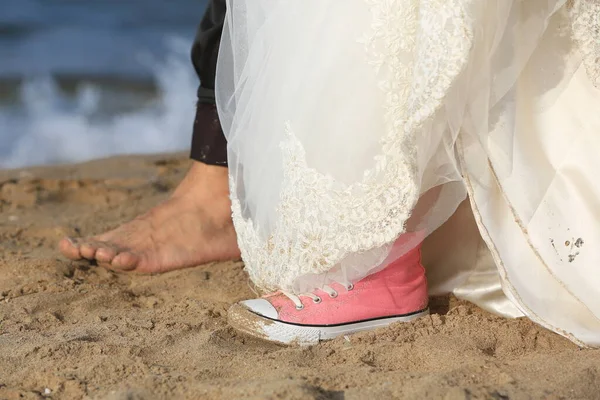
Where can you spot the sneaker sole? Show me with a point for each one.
(246, 321)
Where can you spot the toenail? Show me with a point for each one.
(73, 241)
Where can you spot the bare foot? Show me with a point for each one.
(192, 227)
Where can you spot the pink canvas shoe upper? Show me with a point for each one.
(397, 290)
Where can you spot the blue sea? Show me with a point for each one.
(84, 79)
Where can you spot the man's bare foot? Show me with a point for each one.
(192, 227)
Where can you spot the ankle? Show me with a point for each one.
(203, 181)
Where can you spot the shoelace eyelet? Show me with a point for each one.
(317, 300)
(350, 287)
(300, 307)
(333, 295)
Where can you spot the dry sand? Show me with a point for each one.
(69, 330)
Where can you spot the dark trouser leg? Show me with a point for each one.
(208, 141)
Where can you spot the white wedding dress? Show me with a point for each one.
(358, 127)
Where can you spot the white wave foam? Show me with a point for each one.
(47, 126)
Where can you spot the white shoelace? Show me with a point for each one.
(327, 289)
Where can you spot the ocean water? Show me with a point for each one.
(84, 79)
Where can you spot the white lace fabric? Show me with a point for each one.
(585, 19)
(317, 215)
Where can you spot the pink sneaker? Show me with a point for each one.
(396, 294)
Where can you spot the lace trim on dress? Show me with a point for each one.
(585, 22)
(418, 48)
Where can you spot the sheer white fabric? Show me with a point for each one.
(357, 127)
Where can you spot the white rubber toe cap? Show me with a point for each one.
(261, 307)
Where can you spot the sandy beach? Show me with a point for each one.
(71, 330)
